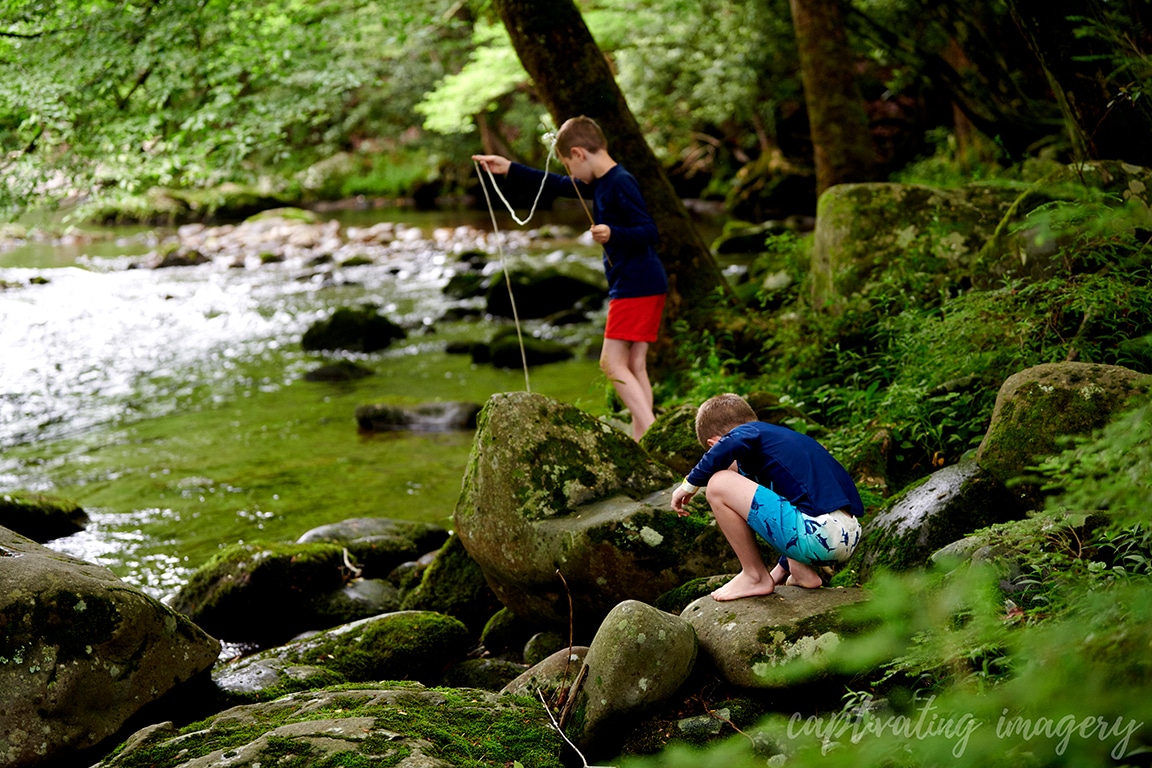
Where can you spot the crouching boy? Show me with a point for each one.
(761, 478)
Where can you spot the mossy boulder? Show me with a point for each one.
(946, 506)
(862, 229)
(486, 674)
(358, 329)
(553, 676)
(1038, 407)
(775, 640)
(403, 645)
(376, 545)
(454, 584)
(80, 653)
(263, 593)
(671, 439)
(556, 505)
(541, 292)
(41, 517)
(639, 658)
(504, 351)
(392, 724)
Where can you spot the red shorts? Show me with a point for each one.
(636, 319)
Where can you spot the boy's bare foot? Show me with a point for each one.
(801, 575)
(745, 585)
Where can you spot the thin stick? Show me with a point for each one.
(584, 205)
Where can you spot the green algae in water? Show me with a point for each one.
(272, 463)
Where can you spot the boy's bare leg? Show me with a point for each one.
(730, 496)
(616, 361)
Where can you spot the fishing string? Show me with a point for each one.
(504, 264)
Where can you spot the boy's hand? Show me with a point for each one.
(680, 497)
(601, 233)
(494, 163)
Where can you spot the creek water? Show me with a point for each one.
(171, 404)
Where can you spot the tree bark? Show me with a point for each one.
(573, 78)
(841, 142)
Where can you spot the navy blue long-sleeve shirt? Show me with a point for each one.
(792, 464)
(631, 264)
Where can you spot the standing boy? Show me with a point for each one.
(778, 483)
(637, 283)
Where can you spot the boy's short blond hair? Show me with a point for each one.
(719, 415)
(581, 132)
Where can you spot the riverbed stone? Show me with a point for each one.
(638, 659)
(541, 292)
(557, 506)
(772, 640)
(1037, 407)
(358, 329)
(404, 645)
(395, 724)
(81, 652)
(553, 676)
(445, 416)
(947, 505)
(41, 517)
(377, 545)
(262, 592)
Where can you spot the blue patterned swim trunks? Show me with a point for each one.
(816, 540)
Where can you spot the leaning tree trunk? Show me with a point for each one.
(841, 142)
(573, 78)
(1092, 77)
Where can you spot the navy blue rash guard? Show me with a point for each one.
(630, 261)
(793, 465)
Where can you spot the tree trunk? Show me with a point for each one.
(841, 142)
(573, 78)
(1092, 76)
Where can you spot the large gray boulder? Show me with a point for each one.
(406, 645)
(1039, 406)
(766, 642)
(947, 505)
(557, 505)
(80, 653)
(639, 658)
(395, 724)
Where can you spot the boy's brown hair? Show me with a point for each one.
(581, 132)
(719, 415)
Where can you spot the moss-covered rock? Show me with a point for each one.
(80, 653)
(1039, 406)
(541, 292)
(404, 645)
(555, 504)
(379, 544)
(359, 329)
(672, 441)
(260, 592)
(638, 659)
(775, 640)
(454, 584)
(41, 517)
(380, 725)
(864, 228)
(946, 506)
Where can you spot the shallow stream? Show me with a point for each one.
(170, 403)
